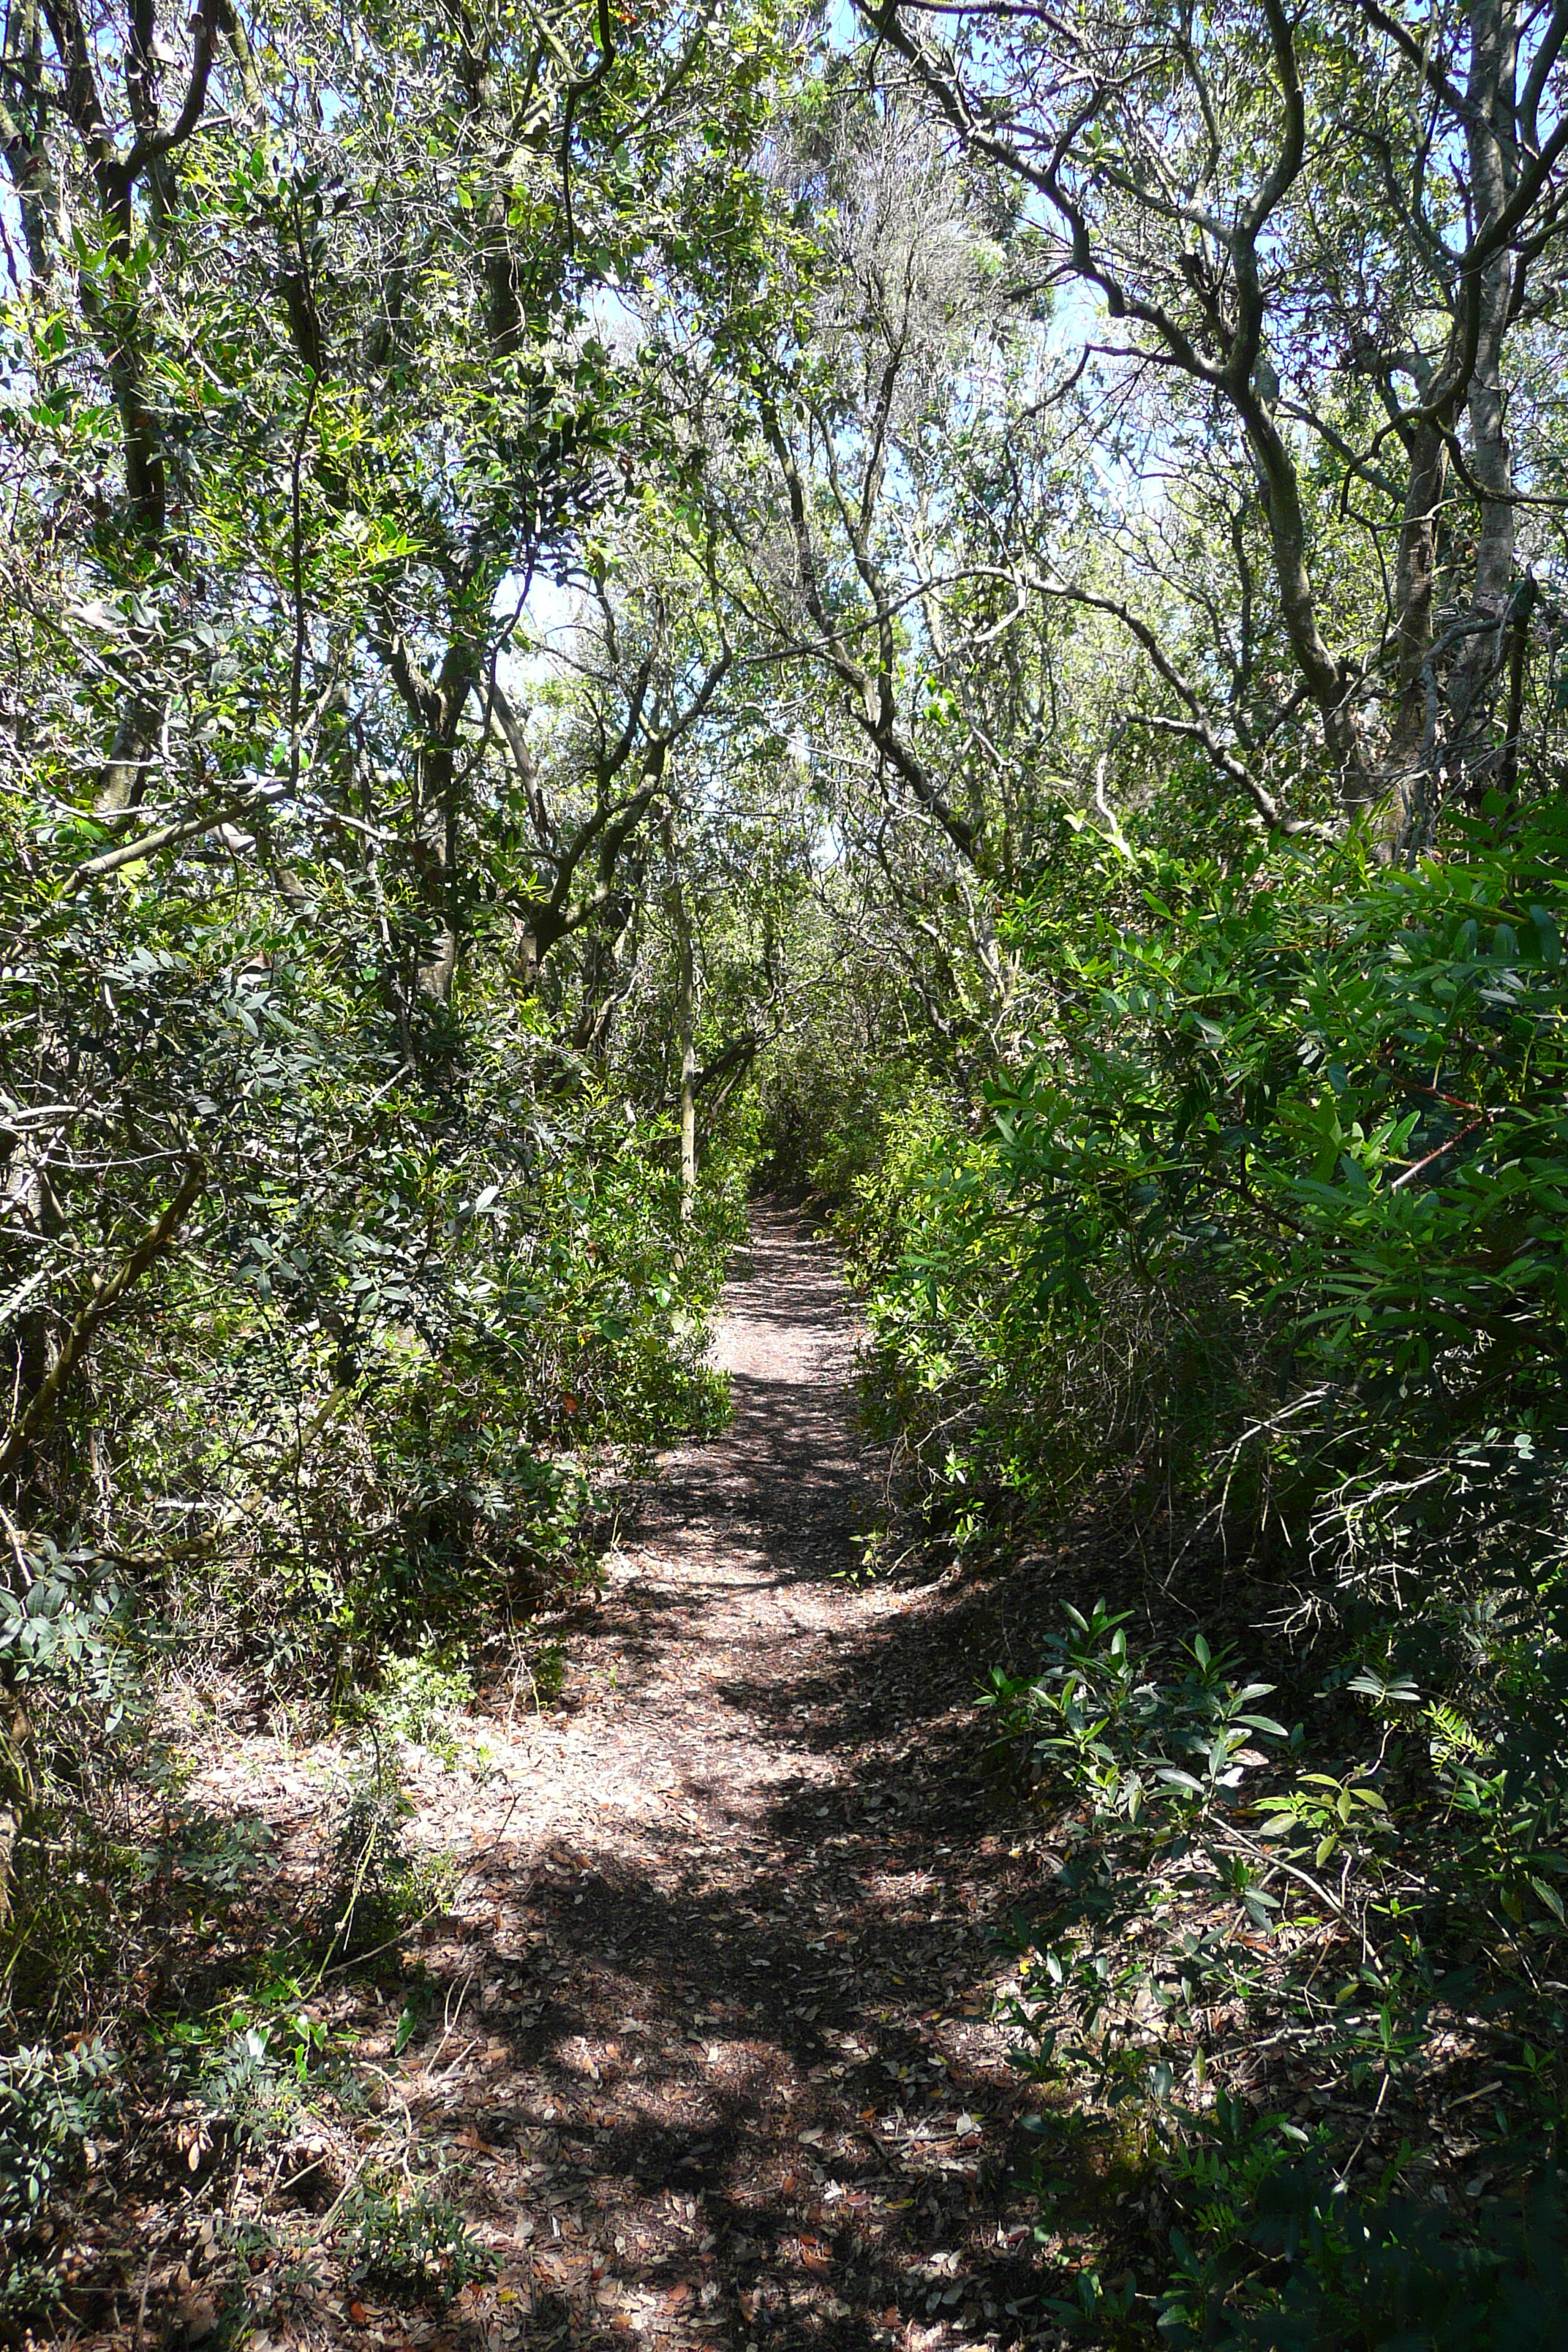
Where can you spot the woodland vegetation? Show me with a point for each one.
(956, 608)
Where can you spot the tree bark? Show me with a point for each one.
(685, 1023)
(1488, 142)
(106, 1292)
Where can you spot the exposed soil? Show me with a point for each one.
(701, 2040)
(710, 2058)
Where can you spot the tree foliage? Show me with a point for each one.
(959, 608)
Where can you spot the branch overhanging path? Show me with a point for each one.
(711, 2054)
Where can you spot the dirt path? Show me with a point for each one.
(711, 2056)
(722, 1589)
(754, 2089)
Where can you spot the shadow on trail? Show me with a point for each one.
(757, 2072)
(800, 2130)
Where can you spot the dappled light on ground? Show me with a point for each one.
(706, 2045)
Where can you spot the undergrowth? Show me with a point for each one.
(1274, 1989)
(1255, 1263)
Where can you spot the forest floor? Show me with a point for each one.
(705, 2048)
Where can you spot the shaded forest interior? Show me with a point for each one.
(783, 1174)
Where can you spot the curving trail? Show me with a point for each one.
(715, 2050)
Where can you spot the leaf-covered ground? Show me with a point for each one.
(702, 2044)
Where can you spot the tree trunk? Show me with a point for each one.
(685, 1026)
(1488, 140)
(685, 1016)
(1412, 738)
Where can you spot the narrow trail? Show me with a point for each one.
(728, 1568)
(752, 2095)
(707, 2056)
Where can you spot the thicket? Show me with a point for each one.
(961, 607)
(1209, 1195)
(366, 1011)
(1257, 1262)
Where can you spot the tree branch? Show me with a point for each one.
(106, 1295)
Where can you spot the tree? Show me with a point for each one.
(305, 388)
(902, 440)
(1331, 235)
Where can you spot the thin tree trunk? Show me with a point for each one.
(106, 1293)
(685, 1024)
(685, 1016)
(1412, 742)
(1488, 142)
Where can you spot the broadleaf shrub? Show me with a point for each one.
(1269, 1233)
(1260, 1256)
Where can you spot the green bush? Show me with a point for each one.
(1271, 1233)
(1281, 2259)
(1333, 1917)
(51, 2103)
(411, 2241)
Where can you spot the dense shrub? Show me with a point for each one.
(1269, 1228)
(1263, 1252)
